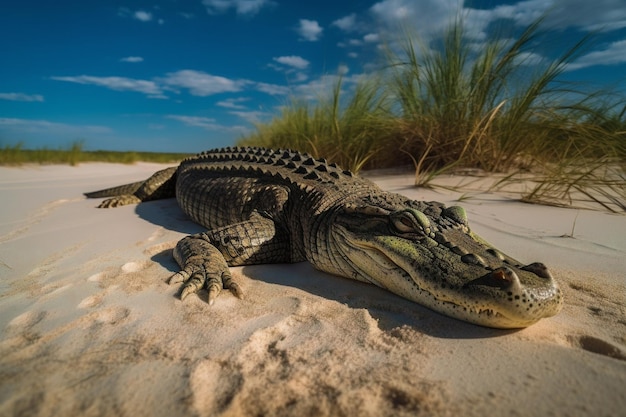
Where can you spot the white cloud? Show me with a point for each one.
(272, 89)
(252, 117)
(233, 103)
(309, 30)
(602, 15)
(318, 88)
(197, 83)
(530, 59)
(142, 15)
(132, 59)
(21, 97)
(347, 23)
(45, 126)
(371, 37)
(427, 20)
(242, 7)
(206, 123)
(389, 10)
(597, 15)
(298, 77)
(613, 54)
(292, 65)
(202, 84)
(427, 16)
(117, 83)
(293, 61)
(197, 121)
(322, 87)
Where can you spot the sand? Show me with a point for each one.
(90, 327)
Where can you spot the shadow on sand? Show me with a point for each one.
(390, 310)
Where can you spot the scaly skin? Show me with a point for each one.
(266, 206)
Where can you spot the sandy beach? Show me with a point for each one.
(89, 325)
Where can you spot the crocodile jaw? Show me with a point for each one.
(431, 275)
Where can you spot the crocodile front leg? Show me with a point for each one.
(202, 265)
(204, 258)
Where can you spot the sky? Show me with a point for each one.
(191, 75)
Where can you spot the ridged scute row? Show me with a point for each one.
(253, 159)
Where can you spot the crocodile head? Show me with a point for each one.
(427, 253)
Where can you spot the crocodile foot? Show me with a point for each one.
(202, 266)
(120, 200)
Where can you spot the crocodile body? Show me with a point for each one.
(274, 206)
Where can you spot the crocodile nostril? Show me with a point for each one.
(458, 250)
(538, 269)
(495, 253)
(473, 259)
(503, 278)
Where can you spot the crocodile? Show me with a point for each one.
(280, 206)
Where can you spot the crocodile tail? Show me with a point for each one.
(162, 184)
(115, 191)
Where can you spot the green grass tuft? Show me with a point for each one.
(74, 155)
(349, 131)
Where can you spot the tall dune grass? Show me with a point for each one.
(476, 109)
(452, 105)
(348, 130)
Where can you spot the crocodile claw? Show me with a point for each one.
(214, 283)
(178, 278)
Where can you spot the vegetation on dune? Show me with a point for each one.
(448, 106)
(74, 154)
(349, 131)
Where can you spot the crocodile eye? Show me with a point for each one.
(402, 223)
(410, 221)
(407, 222)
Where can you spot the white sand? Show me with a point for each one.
(89, 326)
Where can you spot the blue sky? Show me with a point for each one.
(189, 75)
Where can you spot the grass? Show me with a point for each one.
(598, 182)
(74, 154)
(349, 131)
(446, 106)
(451, 105)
